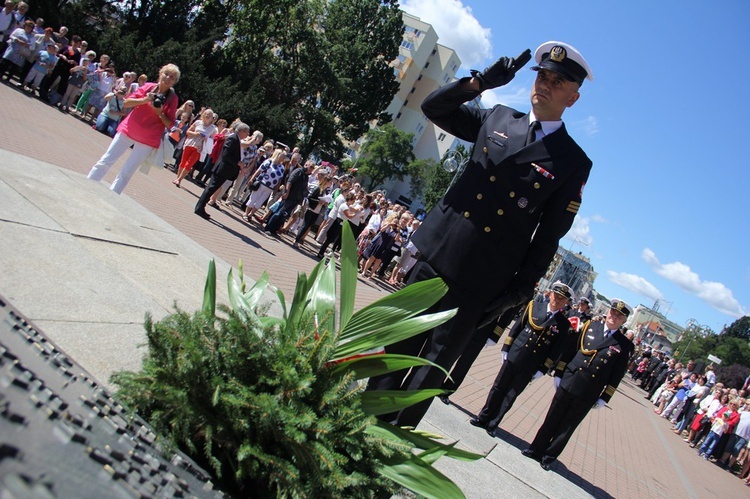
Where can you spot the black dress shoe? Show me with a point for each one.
(546, 463)
(444, 399)
(203, 214)
(531, 453)
(478, 423)
(491, 431)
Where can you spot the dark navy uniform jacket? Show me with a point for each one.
(598, 365)
(498, 227)
(536, 341)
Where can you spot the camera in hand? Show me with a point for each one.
(159, 100)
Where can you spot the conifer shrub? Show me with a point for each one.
(276, 407)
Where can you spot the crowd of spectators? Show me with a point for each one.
(280, 193)
(709, 417)
(63, 71)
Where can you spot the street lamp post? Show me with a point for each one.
(454, 162)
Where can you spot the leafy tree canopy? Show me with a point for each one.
(305, 72)
(386, 154)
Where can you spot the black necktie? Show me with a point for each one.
(531, 136)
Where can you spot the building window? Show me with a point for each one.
(407, 45)
(447, 78)
(441, 137)
(398, 115)
(419, 128)
(455, 67)
(419, 78)
(412, 90)
(434, 51)
(406, 102)
(427, 65)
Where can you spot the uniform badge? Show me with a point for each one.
(615, 349)
(543, 172)
(500, 134)
(523, 202)
(557, 54)
(589, 336)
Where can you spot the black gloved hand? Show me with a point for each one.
(502, 72)
(498, 307)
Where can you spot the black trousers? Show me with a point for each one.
(473, 348)
(563, 417)
(512, 379)
(213, 186)
(441, 345)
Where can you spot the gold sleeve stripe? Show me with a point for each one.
(508, 341)
(498, 331)
(561, 366)
(610, 390)
(573, 207)
(548, 363)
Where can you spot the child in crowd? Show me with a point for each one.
(718, 427)
(45, 63)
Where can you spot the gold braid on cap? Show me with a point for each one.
(534, 326)
(583, 335)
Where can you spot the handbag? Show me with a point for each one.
(255, 185)
(705, 419)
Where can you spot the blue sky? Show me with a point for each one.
(665, 121)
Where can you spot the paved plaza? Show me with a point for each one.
(85, 265)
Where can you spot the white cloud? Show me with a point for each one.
(636, 284)
(580, 232)
(599, 219)
(508, 96)
(589, 125)
(456, 27)
(715, 294)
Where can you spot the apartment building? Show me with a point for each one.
(423, 65)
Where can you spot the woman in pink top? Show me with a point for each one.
(154, 106)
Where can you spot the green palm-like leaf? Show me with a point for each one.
(375, 365)
(236, 297)
(377, 402)
(396, 307)
(389, 334)
(300, 300)
(419, 440)
(209, 290)
(419, 476)
(348, 275)
(254, 294)
(322, 297)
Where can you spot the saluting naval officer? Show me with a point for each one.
(494, 233)
(531, 349)
(588, 380)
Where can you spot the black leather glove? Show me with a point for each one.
(502, 72)
(499, 306)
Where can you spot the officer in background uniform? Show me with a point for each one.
(530, 350)
(588, 380)
(582, 311)
(494, 233)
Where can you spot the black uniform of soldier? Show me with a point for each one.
(588, 380)
(494, 233)
(530, 350)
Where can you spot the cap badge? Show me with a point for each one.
(557, 54)
(523, 202)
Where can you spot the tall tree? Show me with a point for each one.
(386, 153)
(739, 329)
